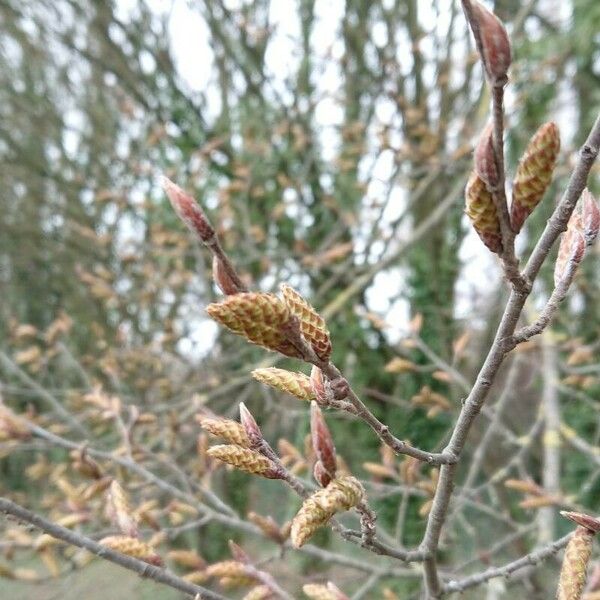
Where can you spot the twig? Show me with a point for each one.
(52, 402)
(132, 564)
(528, 560)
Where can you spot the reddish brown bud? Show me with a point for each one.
(238, 553)
(223, 279)
(591, 217)
(188, 210)
(322, 477)
(570, 250)
(591, 523)
(250, 426)
(321, 440)
(485, 161)
(318, 385)
(495, 45)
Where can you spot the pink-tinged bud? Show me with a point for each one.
(335, 590)
(318, 385)
(321, 440)
(591, 523)
(238, 553)
(591, 217)
(485, 161)
(250, 426)
(223, 279)
(570, 254)
(188, 210)
(322, 477)
(495, 45)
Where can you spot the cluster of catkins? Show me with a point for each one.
(484, 191)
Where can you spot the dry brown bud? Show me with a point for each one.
(228, 583)
(229, 430)
(329, 591)
(534, 173)
(322, 441)
(188, 210)
(119, 511)
(494, 41)
(84, 465)
(259, 317)
(223, 279)
(260, 592)
(340, 495)
(227, 568)
(250, 426)
(380, 471)
(246, 460)
(485, 159)
(296, 384)
(96, 488)
(591, 217)
(196, 577)
(187, 558)
(481, 210)
(400, 365)
(268, 526)
(132, 547)
(540, 501)
(524, 485)
(312, 325)
(238, 553)
(11, 426)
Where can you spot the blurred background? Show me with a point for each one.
(330, 143)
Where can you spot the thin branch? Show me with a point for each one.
(55, 404)
(528, 560)
(132, 564)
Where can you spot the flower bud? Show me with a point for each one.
(322, 477)
(591, 217)
(223, 279)
(238, 552)
(341, 494)
(294, 383)
(132, 547)
(259, 317)
(485, 160)
(534, 173)
(246, 460)
(231, 431)
(317, 383)
(119, 511)
(250, 426)
(312, 325)
(577, 555)
(480, 208)
(495, 45)
(570, 250)
(322, 441)
(188, 210)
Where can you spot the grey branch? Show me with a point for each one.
(528, 560)
(132, 564)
